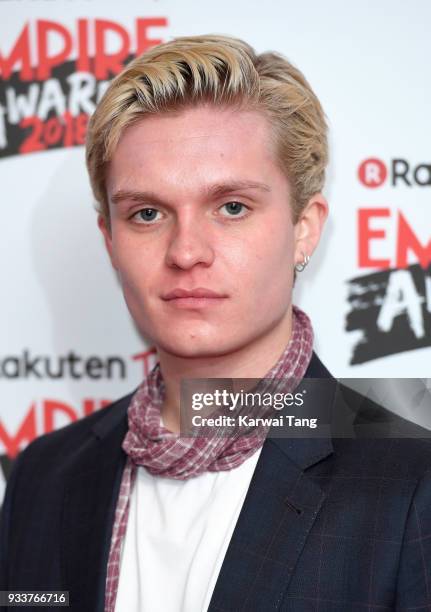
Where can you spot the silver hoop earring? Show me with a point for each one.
(303, 264)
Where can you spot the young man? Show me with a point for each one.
(207, 162)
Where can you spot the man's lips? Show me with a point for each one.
(199, 292)
(201, 297)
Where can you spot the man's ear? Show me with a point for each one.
(102, 222)
(309, 226)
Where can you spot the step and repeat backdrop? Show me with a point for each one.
(67, 344)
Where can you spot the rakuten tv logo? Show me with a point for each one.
(391, 306)
(373, 172)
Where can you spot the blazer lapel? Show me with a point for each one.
(279, 510)
(277, 515)
(89, 509)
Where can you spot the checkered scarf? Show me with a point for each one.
(163, 453)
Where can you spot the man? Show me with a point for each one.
(207, 162)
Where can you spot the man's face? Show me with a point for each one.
(198, 204)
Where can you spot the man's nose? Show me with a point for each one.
(189, 245)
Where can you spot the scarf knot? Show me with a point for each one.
(163, 453)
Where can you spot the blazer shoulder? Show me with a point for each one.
(71, 439)
(384, 437)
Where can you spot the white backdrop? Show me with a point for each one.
(368, 63)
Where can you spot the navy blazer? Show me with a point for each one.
(329, 524)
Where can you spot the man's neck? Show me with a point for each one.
(253, 360)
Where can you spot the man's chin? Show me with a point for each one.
(195, 348)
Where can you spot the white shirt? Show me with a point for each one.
(177, 536)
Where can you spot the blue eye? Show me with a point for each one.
(146, 214)
(234, 208)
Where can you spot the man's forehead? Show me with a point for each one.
(184, 151)
(196, 125)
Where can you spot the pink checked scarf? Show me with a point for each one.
(166, 454)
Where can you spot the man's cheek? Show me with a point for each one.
(131, 266)
(132, 286)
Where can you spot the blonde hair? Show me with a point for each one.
(219, 70)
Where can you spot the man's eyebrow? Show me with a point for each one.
(135, 196)
(220, 189)
(216, 190)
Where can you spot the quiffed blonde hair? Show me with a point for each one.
(223, 71)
